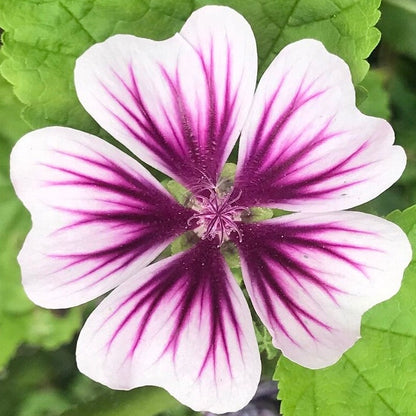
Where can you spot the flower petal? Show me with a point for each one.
(311, 277)
(305, 146)
(178, 104)
(182, 324)
(98, 216)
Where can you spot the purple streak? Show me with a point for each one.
(274, 249)
(186, 139)
(144, 216)
(193, 284)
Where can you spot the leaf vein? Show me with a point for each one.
(370, 385)
(270, 52)
(389, 331)
(84, 29)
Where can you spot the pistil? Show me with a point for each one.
(217, 215)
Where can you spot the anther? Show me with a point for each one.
(216, 215)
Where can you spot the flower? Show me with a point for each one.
(100, 218)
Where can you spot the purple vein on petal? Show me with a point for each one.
(278, 173)
(193, 134)
(146, 129)
(219, 127)
(130, 205)
(191, 282)
(278, 269)
(305, 146)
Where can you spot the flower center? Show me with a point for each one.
(217, 215)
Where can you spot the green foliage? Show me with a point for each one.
(264, 341)
(183, 242)
(44, 383)
(377, 102)
(361, 95)
(178, 191)
(44, 403)
(230, 253)
(228, 172)
(146, 401)
(20, 320)
(42, 40)
(403, 96)
(377, 375)
(399, 25)
(260, 214)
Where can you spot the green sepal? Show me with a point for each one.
(178, 191)
(230, 253)
(228, 172)
(184, 242)
(260, 214)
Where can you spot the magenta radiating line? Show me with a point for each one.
(154, 138)
(267, 285)
(269, 249)
(145, 216)
(260, 146)
(191, 140)
(196, 280)
(220, 129)
(183, 117)
(282, 177)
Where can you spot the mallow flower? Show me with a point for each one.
(100, 219)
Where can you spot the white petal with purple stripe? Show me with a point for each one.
(312, 276)
(305, 146)
(178, 104)
(182, 324)
(98, 216)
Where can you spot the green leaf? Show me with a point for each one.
(264, 341)
(44, 403)
(406, 220)
(11, 125)
(231, 256)
(377, 375)
(361, 94)
(398, 25)
(145, 401)
(403, 93)
(377, 102)
(37, 373)
(20, 320)
(43, 38)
